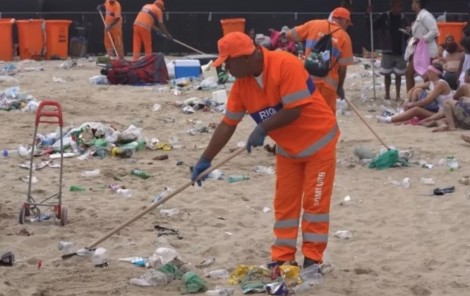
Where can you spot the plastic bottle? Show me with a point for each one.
(77, 188)
(237, 178)
(218, 274)
(220, 291)
(452, 163)
(99, 257)
(120, 152)
(90, 174)
(65, 247)
(124, 192)
(134, 145)
(140, 173)
(405, 183)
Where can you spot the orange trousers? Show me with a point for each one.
(329, 94)
(116, 35)
(141, 35)
(303, 183)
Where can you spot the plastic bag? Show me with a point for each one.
(193, 283)
(385, 160)
(421, 57)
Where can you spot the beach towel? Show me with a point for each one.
(147, 70)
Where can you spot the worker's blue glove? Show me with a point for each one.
(202, 165)
(256, 138)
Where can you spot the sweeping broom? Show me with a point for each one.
(384, 160)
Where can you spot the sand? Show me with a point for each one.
(405, 242)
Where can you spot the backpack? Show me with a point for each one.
(319, 62)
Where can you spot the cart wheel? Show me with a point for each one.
(57, 211)
(63, 216)
(22, 215)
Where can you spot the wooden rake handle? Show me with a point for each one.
(162, 201)
(366, 123)
(109, 34)
(158, 31)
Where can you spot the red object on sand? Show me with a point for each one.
(39, 264)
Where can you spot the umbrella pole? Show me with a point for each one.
(372, 47)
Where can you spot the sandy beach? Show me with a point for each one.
(405, 241)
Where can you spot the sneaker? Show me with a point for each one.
(309, 262)
(383, 119)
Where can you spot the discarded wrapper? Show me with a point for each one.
(277, 289)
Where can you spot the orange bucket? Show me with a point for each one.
(233, 25)
(454, 29)
(31, 39)
(6, 35)
(57, 41)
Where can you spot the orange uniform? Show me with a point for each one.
(305, 156)
(113, 12)
(147, 17)
(311, 32)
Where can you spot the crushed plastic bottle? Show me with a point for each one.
(220, 291)
(162, 195)
(99, 257)
(428, 181)
(218, 274)
(237, 178)
(66, 247)
(405, 183)
(343, 234)
(452, 163)
(151, 278)
(91, 174)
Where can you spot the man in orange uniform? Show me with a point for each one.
(146, 19)
(330, 86)
(275, 89)
(113, 27)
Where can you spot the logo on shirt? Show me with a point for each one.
(265, 113)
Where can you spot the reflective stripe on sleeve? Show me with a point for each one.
(312, 149)
(288, 223)
(300, 95)
(235, 115)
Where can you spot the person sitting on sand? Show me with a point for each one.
(457, 114)
(451, 64)
(462, 91)
(424, 99)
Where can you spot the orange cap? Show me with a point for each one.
(233, 45)
(343, 13)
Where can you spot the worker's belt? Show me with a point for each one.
(149, 12)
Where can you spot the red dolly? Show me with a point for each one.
(48, 112)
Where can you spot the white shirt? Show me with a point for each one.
(425, 27)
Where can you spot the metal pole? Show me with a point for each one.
(372, 47)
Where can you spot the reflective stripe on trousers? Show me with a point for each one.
(306, 184)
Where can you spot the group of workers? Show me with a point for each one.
(150, 15)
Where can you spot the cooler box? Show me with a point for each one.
(187, 68)
(447, 28)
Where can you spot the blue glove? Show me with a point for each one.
(202, 165)
(256, 138)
